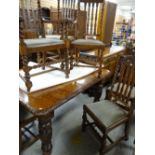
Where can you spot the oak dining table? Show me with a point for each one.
(42, 103)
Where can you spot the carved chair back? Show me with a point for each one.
(67, 9)
(66, 12)
(30, 11)
(122, 89)
(92, 7)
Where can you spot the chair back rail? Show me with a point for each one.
(65, 11)
(92, 8)
(124, 81)
(67, 8)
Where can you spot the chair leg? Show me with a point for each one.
(103, 145)
(71, 59)
(20, 140)
(67, 63)
(127, 130)
(26, 69)
(77, 54)
(107, 94)
(84, 118)
(43, 60)
(100, 59)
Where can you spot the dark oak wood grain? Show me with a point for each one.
(49, 99)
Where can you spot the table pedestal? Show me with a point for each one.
(45, 131)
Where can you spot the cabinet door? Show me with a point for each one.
(110, 12)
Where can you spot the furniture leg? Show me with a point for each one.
(45, 131)
(100, 62)
(127, 125)
(103, 144)
(38, 57)
(20, 140)
(97, 92)
(77, 56)
(62, 59)
(43, 60)
(71, 59)
(84, 117)
(27, 74)
(67, 63)
(107, 94)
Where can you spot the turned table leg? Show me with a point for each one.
(45, 132)
(98, 91)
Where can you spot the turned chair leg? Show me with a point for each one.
(67, 70)
(71, 59)
(43, 60)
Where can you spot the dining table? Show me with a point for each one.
(42, 102)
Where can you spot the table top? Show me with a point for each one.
(46, 100)
(113, 50)
(109, 51)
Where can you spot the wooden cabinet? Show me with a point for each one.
(108, 23)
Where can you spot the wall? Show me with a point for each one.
(48, 3)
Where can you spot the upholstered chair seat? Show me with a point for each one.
(58, 37)
(107, 112)
(88, 42)
(41, 42)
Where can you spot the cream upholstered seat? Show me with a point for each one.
(107, 111)
(88, 42)
(42, 42)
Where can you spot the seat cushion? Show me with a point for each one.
(54, 36)
(107, 112)
(40, 42)
(88, 42)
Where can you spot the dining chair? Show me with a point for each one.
(87, 41)
(31, 18)
(107, 116)
(63, 20)
(34, 26)
(27, 132)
